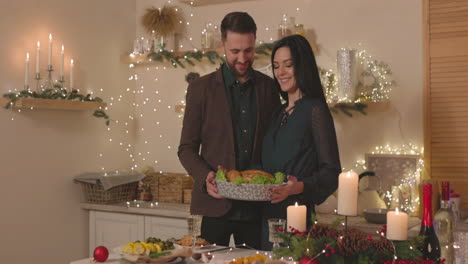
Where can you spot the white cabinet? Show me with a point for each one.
(165, 227)
(117, 229)
(114, 229)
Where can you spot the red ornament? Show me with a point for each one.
(308, 260)
(101, 254)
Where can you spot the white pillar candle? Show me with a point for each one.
(50, 49)
(26, 71)
(296, 217)
(397, 225)
(348, 193)
(38, 51)
(71, 74)
(62, 61)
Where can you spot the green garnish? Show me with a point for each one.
(221, 176)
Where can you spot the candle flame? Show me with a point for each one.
(27, 56)
(63, 48)
(296, 204)
(396, 211)
(38, 44)
(348, 174)
(71, 61)
(50, 36)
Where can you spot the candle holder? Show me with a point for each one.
(61, 81)
(38, 78)
(49, 84)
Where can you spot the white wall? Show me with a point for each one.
(42, 150)
(391, 31)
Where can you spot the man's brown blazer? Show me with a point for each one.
(207, 138)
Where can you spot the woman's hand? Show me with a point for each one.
(211, 187)
(280, 193)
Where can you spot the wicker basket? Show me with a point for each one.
(172, 186)
(187, 196)
(95, 193)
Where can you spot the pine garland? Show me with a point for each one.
(58, 93)
(327, 244)
(328, 79)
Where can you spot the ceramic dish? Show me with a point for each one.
(245, 191)
(376, 215)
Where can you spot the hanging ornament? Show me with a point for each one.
(101, 254)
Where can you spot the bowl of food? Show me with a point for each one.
(249, 185)
(376, 215)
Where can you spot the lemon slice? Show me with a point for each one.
(138, 248)
(128, 248)
(157, 248)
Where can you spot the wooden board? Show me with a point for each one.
(36, 103)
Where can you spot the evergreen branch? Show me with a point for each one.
(58, 93)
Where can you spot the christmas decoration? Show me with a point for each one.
(376, 80)
(164, 20)
(101, 254)
(329, 244)
(58, 93)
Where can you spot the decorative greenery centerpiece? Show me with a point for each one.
(328, 244)
(58, 93)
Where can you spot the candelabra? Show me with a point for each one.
(49, 84)
(38, 78)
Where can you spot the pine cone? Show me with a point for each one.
(382, 245)
(321, 230)
(352, 242)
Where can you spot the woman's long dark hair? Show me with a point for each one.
(305, 67)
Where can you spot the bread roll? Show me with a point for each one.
(232, 175)
(248, 175)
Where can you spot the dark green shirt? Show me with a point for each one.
(242, 102)
(303, 144)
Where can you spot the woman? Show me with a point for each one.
(301, 141)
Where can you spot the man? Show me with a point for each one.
(227, 114)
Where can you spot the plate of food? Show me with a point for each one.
(187, 241)
(152, 250)
(248, 185)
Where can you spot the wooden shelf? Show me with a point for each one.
(371, 106)
(209, 2)
(37, 103)
(374, 107)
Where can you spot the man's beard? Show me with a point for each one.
(236, 73)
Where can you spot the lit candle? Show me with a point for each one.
(26, 71)
(38, 51)
(397, 225)
(348, 193)
(71, 74)
(62, 60)
(296, 217)
(50, 49)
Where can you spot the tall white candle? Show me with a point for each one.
(62, 61)
(71, 74)
(296, 217)
(397, 225)
(348, 193)
(26, 71)
(50, 49)
(38, 51)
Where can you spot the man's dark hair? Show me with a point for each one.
(239, 22)
(305, 68)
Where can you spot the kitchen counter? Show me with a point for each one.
(143, 208)
(178, 210)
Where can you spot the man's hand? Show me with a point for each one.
(282, 192)
(211, 187)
